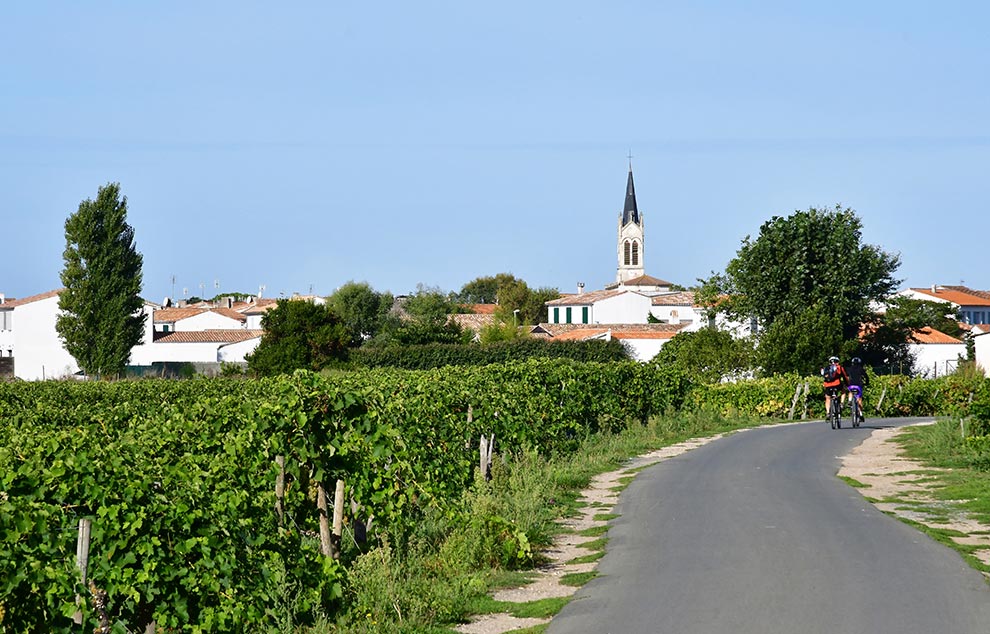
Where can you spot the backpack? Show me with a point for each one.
(831, 372)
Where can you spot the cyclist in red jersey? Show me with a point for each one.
(833, 376)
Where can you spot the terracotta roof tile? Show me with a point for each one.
(481, 309)
(680, 298)
(930, 335)
(232, 314)
(175, 314)
(473, 322)
(585, 299)
(209, 336)
(14, 303)
(580, 334)
(555, 330)
(619, 331)
(959, 295)
(646, 280)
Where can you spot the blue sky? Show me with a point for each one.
(302, 145)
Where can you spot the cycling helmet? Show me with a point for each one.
(833, 359)
(857, 361)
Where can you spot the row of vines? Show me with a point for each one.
(179, 477)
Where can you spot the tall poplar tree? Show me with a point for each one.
(101, 320)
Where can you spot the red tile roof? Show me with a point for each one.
(646, 280)
(930, 335)
(959, 295)
(481, 309)
(585, 299)
(681, 298)
(232, 314)
(170, 315)
(580, 332)
(209, 336)
(14, 303)
(555, 330)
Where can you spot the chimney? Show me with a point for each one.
(580, 288)
(3, 298)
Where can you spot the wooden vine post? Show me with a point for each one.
(794, 401)
(82, 560)
(485, 450)
(338, 519)
(280, 490)
(326, 546)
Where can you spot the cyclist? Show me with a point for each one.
(857, 377)
(833, 377)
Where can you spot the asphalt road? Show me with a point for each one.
(754, 534)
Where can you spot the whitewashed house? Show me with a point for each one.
(643, 341)
(981, 346)
(974, 305)
(29, 336)
(935, 353)
(599, 307)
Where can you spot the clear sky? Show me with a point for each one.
(300, 145)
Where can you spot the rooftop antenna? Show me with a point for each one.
(261, 289)
(173, 285)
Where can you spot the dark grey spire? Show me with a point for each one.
(630, 213)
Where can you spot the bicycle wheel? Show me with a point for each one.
(854, 410)
(837, 413)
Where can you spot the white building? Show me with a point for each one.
(973, 305)
(29, 336)
(981, 346)
(935, 353)
(600, 307)
(643, 341)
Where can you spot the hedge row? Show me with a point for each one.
(429, 356)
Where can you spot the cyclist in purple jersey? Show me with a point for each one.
(858, 377)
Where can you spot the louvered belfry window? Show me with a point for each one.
(626, 249)
(635, 254)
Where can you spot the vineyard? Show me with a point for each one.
(208, 498)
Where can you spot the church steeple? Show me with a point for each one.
(630, 213)
(631, 236)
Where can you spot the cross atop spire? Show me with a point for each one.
(630, 212)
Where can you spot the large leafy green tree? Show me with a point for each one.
(299, 334)
(422, 318)
(484, 290)
(362, 309)
(101, 318)
(708, 355)
(810, 269)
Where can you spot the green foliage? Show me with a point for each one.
(100, 320)
(424, 357)
(801, 342)
(484, 290)
(362, 310)
(511, 294)
(424, 318)
(500, 330)
(810, 268)
(707, 355)
(298, 335)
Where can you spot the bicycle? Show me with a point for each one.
(856, 392)
(834, 408)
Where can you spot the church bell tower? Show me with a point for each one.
(630, 243)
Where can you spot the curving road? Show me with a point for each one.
(754, 534)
